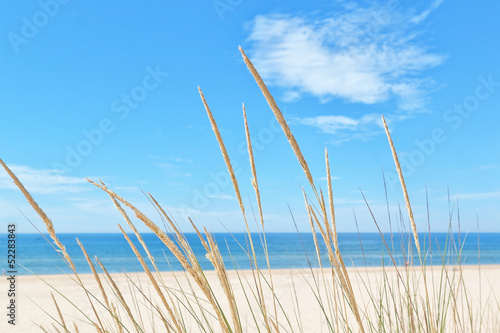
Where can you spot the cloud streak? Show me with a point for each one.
(422, 16)
(43, 181)
(345, 128)
(476, 196)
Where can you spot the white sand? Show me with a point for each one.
(33, 297)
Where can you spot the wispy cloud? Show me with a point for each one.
(476, 196)
(221, 196)
(181, 160)
(360, 55)
(101, 206)
(174, 167)
(345, 128)
(422, 16)
(325, 178)
(341, 56)
(43, 181)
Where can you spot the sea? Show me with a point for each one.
(36, 253)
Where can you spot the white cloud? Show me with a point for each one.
(173, 166)
(43, 181)
(476, 196)
(90, 205)
(181, 160)
(342, 56)
(221, 196)
(173, 170)
(359, 55)
(346, 128)
(335, 124)
(331, 177)
(422, 16)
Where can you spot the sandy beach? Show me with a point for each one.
(294, 288)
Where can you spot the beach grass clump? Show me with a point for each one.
(413, 297)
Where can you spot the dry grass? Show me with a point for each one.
(398, 301)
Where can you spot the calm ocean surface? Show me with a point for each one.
(286, 250)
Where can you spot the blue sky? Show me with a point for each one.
(109, 91)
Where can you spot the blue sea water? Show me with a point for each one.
(34, 254)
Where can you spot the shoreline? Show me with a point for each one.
(265, 269)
